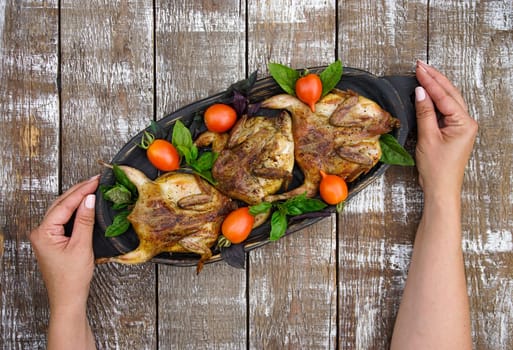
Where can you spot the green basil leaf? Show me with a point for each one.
(194, 152)
(182, 140)
(120, 206)
(285, 77)
(207, 175)
(331, 76)
(393, 153)
(118, 194)
(308, 206)
(119, 225)
(293, 210)
(123, 179)
(260, 208)
(301, 204)
(181, 135)
(205, 161)
(278, 225)
(104, 188)
(185, 152)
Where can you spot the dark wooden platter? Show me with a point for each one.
(393, 93)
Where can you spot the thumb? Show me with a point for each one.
(425, 110)
(84, 222)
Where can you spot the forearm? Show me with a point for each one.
(434, 312)
(69, 329)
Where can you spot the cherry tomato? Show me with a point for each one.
(163, 155)
(237, 225)
(220, 117)
(333, 188)
(309, 89)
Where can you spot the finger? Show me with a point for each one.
(426, 117)
(70, 191)
(445, 83)
(445, 103)
(82, 233)
(63, 209)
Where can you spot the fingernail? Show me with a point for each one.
(93, 178)
(90, 201)
(422, 65)
(420, 94)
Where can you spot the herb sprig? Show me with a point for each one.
(393, 153)
(286, 77)
(123, 194)
(291, 207)
(201, 164)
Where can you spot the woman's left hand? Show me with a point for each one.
(67, 263)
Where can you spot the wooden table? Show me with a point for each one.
(80, 78)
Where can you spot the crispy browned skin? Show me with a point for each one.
(177, 212)
(341, 137)
(256, 160)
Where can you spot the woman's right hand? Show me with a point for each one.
(443, 146)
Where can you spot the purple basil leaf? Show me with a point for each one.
(240, 103)
(253, 109)
(234, 255)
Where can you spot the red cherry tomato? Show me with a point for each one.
(237, 225)
(309, 89)
(333, 188)
(163, 155)
(220, 117)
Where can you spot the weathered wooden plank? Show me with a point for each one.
(293, 290)
(382, 36)
(200, 50)
(292, 282)
(107, 97)
(200, 47)
(376, 229)
(472, 41)
(29, 139)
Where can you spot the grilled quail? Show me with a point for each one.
(341, 137)
(177, 212)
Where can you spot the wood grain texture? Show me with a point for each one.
(377, 228)
(107, 97)
(29, 119)
(299, 34)
(473, 43)
(292, 286)
(383, 36)
(336, 284)
(292, 282)
(200, 50)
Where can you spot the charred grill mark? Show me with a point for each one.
(171, 209)
(190, 202)
(338, 118)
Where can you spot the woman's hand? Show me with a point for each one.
(67, 263)
(444, 145)
(434, 311)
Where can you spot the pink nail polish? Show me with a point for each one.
(420, 94)
(422, 65)
(90, 201)
(93, 178)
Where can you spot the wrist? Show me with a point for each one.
(69, 328)
(445, 198)
(71, 309)
(442, 215)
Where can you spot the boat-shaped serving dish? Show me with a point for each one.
(393, 93)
